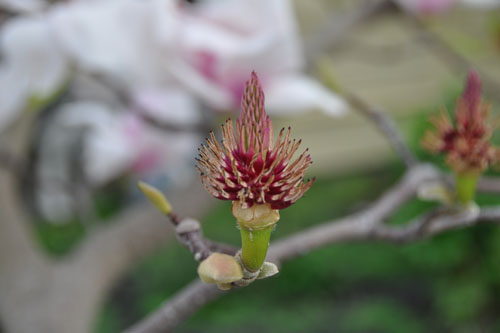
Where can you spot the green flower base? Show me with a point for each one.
(254, 245)
(465, 187)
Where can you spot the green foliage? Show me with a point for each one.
(382, 314)
(58, 239)
(109, 321)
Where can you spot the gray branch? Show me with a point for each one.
(455, 61)
(179, 307)
(189, 234)
(489, 184)
(336, 29)
(329, 36)
(386, 125)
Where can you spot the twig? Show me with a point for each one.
(358, 225)
(337, 28)
(189, 234)
(449, 56)
(386, 125)
(178, 308)
(125, 98)
(221, 247)
(424, 226)
(489, 184)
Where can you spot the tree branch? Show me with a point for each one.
(358, 225)
(331, 34)
(337, 28)
(449, 56)
(189, 234)
(489, 184)
(179, 307)
(386, 125)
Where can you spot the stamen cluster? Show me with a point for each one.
(466, 139)
(247, 166)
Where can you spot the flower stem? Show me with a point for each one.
(254, 244)
(465, 186)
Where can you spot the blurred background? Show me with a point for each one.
(98, 94)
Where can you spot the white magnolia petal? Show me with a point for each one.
(212, 94)
(31, 49)
(261, 29)
(171, 106)
(296, 93)
(109, 37)
(106, 156)
(223, 41)
(107, 153)
(33, 65)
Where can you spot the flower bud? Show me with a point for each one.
(155, 197)
(221, 269)
(268, 269)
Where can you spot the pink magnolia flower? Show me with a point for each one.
(205, 49)
(224, 40)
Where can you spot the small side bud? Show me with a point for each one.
(155, 197)
(434, 191)
(221, 269)
(268, 269)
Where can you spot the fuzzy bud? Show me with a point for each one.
(155, 197)
(221, 269)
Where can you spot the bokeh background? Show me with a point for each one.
(117, 97)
